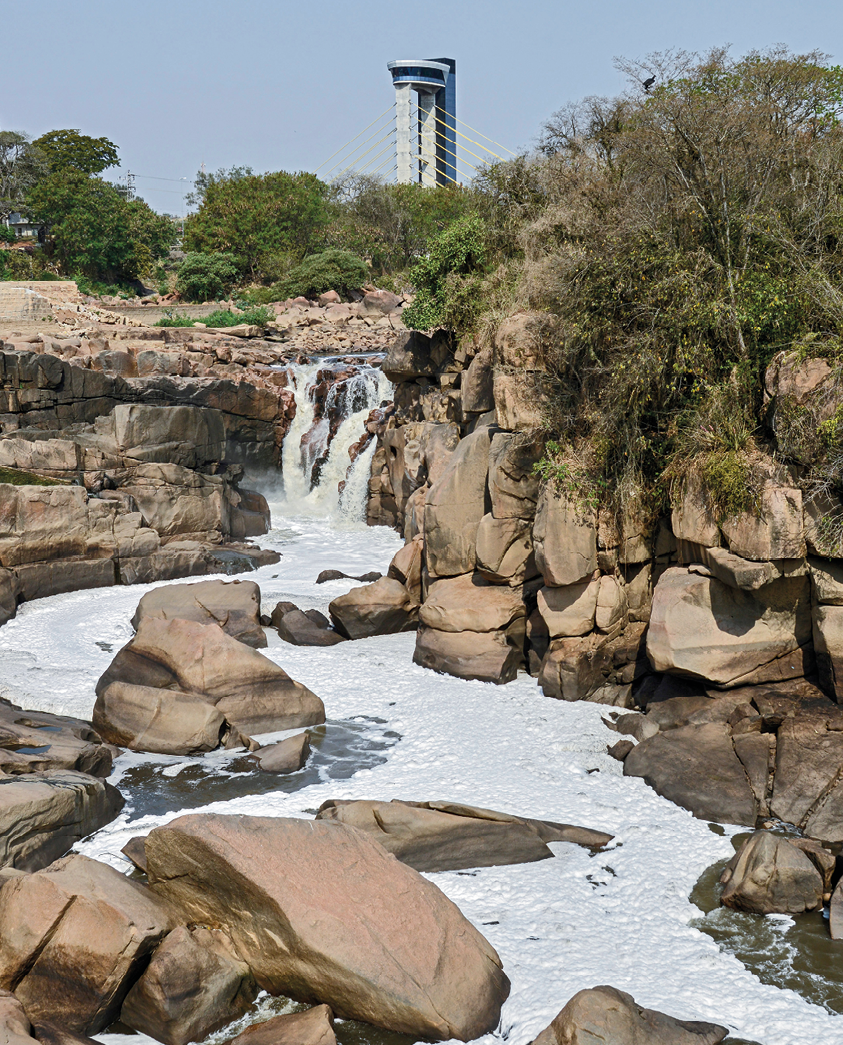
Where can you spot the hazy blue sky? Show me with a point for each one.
(276, 84)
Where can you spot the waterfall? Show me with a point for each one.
(313, 463)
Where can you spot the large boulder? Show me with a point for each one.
(569, 611)
(167, 688)
(565, 539)
(81, 925)
(505, 550)
(314, 1026)
(15, 1028)
(36, 741)
(612, 1017)
(194, 984)
(185, 435)
(697, 768)
(382, 608)
(43, 815)
(770, 875)
(320, 911)
(446, 836)
(702, 628)
(492, 656)
(454, 506)
(234, 605)
(470, 603)
(299, 629)
(513, 484)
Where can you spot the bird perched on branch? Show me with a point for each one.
(648, 83)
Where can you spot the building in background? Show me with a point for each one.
(426, 140)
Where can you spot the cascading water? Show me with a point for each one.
(313, 463)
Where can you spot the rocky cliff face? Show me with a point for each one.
(598, 606)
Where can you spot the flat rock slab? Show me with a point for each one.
(612, 1017)
(43, 815)
(320, 911)
(81, 924)
(444, 836)
(36, 741)
(234, 605)
(486, 656)
(697, 768)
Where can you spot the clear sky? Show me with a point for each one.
(276, 84)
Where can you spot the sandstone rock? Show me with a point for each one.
(338, 575)
(774, 530)
(477, 393)
(287, 756)
(297, 628)
(769, 875)
(469, 603)
(697, 768)
(598, 668)
(36, 741)
(15, 1028)
(565, 540)
(181, 435)
(519, 399)
(413, 355)
(505, 550)
(81, 924)
(513, 485)
(611, 604)
(442, 836)
(733, 570)
(835, 913)
(570, 610)
(693, 518)
(312, 1027)
(828, 647)
(487, 656)
(809, 753)
(194, 984)
(454, 507)
(406, 567)
(826, 581)
(612, 1017)
(149, 718)
(42, 815)
(234, 605)
(701, 628)
(379, 302)
(183, 659)
(318, 910)
(382, 608)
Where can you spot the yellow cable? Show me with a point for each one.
(362, 170)
(488, 139)
(451, 165)
(473, 142)
(358, 158)
(360, 146)
(456, 157)
(356, 136)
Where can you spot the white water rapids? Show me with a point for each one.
(622, 917)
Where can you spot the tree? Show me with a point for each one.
(205, 277)
(70, 151)
(263, 220)
(448, 280)
(90, 229)
(21, 165)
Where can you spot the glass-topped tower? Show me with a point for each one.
(429, 156)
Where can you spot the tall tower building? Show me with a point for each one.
(427, 152)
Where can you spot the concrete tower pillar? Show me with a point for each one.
(427, 138)
(403, 153)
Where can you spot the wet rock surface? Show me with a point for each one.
(233, 605)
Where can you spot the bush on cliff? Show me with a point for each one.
(448, 280)
(333, 269)
(670, 243)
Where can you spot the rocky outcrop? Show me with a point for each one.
(235, 606)
(381, 608)
(15, 1028)
(746, 754)
(81, 924)
(180, 687)
(446, 836)
(36, 741)
(769, 874)
(44, 814)
(613, 1017)
(194, 984)
(320, 911)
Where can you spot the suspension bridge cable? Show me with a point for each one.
(359, 159)
(456, 157)
(473, 142)
(360, 146)
(363, 170)
(356, 136)
(451, 165)
(488, 139)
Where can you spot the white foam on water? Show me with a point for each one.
(620, 917)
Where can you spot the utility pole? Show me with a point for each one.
(130, 186)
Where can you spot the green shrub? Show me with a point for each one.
(7, 234)
(258, 316)
(172, 319)
(449, 279)
(206, 277)
(333, 269)
(728, 482)
(18, 477)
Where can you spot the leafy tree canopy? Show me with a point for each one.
(21, 165)
(69, 150)
(263, 220)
